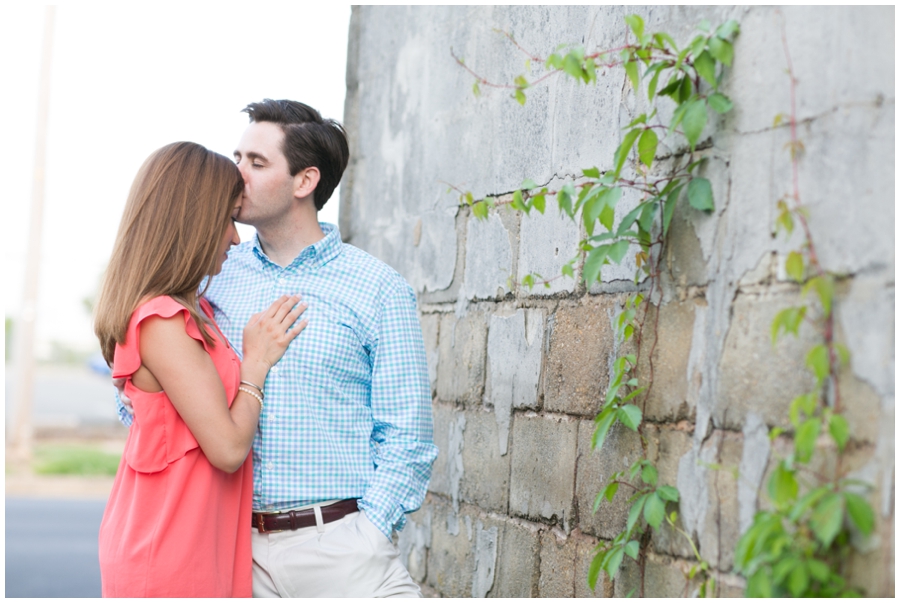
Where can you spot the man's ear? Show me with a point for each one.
(305, 182)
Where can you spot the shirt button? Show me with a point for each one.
(274, 369)
(269, 465)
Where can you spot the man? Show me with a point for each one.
(344, 447)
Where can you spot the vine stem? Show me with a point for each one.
(795, 147)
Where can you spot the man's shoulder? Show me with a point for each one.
(371, 271)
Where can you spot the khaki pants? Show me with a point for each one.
(349, 557)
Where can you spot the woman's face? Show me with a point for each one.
(228, 239)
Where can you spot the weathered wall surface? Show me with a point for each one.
(518, 375)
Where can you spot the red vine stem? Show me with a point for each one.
(795, 146)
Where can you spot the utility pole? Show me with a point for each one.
(24, 328)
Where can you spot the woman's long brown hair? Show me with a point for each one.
(169, 238)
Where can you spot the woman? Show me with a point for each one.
(178, 519)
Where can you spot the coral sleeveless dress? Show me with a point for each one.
(174, 525)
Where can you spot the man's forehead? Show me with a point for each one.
(263, 138)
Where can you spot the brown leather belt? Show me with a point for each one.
(294, 520)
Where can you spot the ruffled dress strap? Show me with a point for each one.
(127, 359)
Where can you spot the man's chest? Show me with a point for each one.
(336, 342)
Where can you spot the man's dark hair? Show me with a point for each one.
(309, 141)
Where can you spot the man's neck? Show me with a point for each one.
(284, 241)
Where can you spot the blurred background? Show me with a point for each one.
(123, 81)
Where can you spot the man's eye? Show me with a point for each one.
(257, 165)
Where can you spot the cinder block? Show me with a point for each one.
(663, 577)
(860, 405)
(754, 376)
(447, 427)
(546, 243)
(584, 555)
(518, 557)
(684, 255)
(430, 329)
(415, 540)
(621, 449)
(460, 372)
(488, 258)
(543, 467)
(720, 530)
(671, 443)
(451, 558)
(668, 397)
(515, 347)
(485, 479)
(582, 341)
(558, 555)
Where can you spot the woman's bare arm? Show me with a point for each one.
(183, 369)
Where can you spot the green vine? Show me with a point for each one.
(800, 547)
(689, 77)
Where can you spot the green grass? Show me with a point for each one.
(74, 460)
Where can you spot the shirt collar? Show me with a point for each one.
(316, 255)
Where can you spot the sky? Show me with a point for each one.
(127, 79)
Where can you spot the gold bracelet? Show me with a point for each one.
(254, 394)
(261, 392)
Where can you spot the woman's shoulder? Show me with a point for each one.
(161, 305)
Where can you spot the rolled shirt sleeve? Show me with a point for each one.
(402, 437)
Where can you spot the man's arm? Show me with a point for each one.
(402, 436)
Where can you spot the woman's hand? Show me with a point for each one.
(267, 334)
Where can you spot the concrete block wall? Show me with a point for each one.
(518, 374)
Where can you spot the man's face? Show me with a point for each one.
(268, 185)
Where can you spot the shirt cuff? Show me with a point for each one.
(386, 522)
(125, 417)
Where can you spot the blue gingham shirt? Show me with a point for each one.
(348, 407)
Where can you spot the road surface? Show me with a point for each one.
(51, 547)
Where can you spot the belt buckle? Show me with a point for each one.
(261, 523)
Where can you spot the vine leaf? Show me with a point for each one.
(700, 194)
(817, 360)
(654, 510)
(632, 549)
(649, 474)
(669, 211)
(798, 581)
(706, 67)
(594, 263)
(805, 440)
(614, 560)
(783, 486)
(594, 570)
(787, 320)
(668, 493)
(624, 149)
(630, 416)
(826, 518)
(647, 146)
(824, 287)
(721, 50)
(694, 121)
(636, 23)
(635, 512)
(794, 266)
(840, 430)
(860, 512)
(720, 103)
(604, 421)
